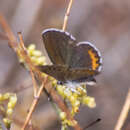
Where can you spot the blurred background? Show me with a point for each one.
(105, 23)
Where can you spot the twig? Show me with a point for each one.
(30, 67)
(36, 95)
(35, 87)
(67, 15)
(14, 45)
(124, 113)
(34, 103)
(8, 32)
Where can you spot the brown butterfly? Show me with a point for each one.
(73, 62)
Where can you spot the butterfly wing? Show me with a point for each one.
(86, 56)
(72, 61)
(56, 71)
(64, 73)
(57, 45)
(63, 50)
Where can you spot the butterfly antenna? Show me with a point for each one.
(92, 123)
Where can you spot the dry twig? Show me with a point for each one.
(67, 15)
(124, 113)
(8, 32)
(34, 103)
(30, 66)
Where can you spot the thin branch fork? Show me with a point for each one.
(34, 103)
(54, 95)
(35, 87)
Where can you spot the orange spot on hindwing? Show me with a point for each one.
(94, 59)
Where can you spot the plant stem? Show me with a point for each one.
(124, 113)
(67, 15)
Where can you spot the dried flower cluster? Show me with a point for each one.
(6, 109)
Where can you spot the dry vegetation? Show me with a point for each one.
(104, 23)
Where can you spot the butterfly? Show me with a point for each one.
(73, 62)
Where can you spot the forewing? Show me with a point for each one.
(57, 44)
